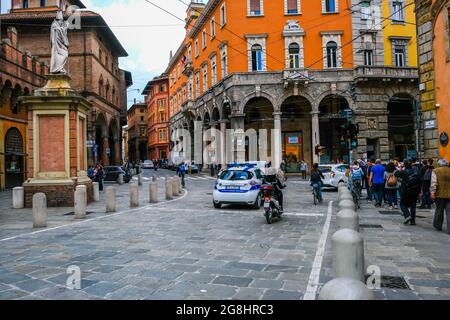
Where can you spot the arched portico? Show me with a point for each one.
(101, 139)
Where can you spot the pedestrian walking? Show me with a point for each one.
(391, 185)
(303, 168)
(425, 177)
(409, 192)
(440, 193)
(99, 176)
(376, 181)
(283, 169)
(355, 182)
(181, 173)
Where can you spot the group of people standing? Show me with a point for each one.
(406, 184)
(97, 174)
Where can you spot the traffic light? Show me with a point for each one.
(317, 150)
(353, 131)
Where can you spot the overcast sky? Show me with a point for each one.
(147, 34)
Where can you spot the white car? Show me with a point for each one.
(239, 184)
(334, 173)
(148, 164)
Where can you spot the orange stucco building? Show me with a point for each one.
(298, 67)
(157, 99)
(433, 18)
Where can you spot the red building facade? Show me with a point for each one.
(157, 99)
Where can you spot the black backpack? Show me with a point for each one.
(413, 182)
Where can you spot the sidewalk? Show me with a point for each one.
(14, 222)
(418, 254)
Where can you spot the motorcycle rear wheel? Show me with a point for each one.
(269, 217)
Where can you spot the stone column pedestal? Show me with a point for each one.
(57, 131)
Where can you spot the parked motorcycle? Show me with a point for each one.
(272, 207)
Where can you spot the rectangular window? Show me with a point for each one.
(25, 4)
(224, 63)
(399, 56)
(213, 71)
(213, 28)
(42, 3)
(365, 10)
(223, 15)
(398, 11)
(196, 48)
(292, 6)
(368, 57)
(205, 78)
(257, 60)
(329, 6)
(255, 7)
(197, 85)
(204, 39)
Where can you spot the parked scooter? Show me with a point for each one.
(272, 207)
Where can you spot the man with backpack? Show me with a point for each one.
(440, 192)
(391, 185)
(356, 180)
(181, 173)
(409, 191)
(425, 177)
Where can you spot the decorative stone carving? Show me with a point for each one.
(372, 124)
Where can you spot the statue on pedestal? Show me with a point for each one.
(60, 45)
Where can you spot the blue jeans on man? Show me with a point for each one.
(378, 193)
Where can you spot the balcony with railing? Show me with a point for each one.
(384, 73)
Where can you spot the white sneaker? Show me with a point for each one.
(391, 208)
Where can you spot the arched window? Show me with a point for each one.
(100, 87)
(257, 64)
(332, 54)
(294, 56)
(107, 90)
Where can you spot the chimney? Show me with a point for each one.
(11, 34)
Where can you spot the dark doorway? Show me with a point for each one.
(14, 158)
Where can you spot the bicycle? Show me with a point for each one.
(316, 194)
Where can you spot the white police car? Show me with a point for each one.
(239, 184)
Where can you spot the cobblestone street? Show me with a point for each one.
(186, 249)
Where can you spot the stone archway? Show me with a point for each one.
(402, 127)
(296, 132)
(259, 119)
(14, 158)
(101, 139)
(113, 143)
(331, 119)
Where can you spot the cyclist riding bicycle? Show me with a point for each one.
(316, 180)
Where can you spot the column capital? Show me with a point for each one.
(277, 116)
(315, 113)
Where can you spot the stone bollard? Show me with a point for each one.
(140, 179)
(348, 254)
(153, 192)
(111, 199)
(96, 191)
(175, 190)
(120, 180)
(18, 201)
(80, 202)
(180, 186)
(169, 189)
(134, 195)
(345, 196)
(39, 210)
(347, 219)
(345, 289)
(347, 204)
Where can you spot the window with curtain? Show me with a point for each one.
(292, 6)
(368, 57)
(294, 56)
(399, 56)
(365, 10)
(330, 6)
(257, 58)
(332, 54)
(255, 8)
